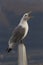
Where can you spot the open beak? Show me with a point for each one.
(29, 14)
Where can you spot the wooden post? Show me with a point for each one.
(22, 58)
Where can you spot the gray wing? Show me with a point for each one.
(17, 34)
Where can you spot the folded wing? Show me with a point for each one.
(17, 34)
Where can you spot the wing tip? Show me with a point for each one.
(8, 49)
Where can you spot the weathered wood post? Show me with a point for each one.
(22, 58)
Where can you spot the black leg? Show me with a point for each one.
(21, 41)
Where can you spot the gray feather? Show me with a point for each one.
(17, 35)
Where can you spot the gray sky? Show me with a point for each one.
(19, 6)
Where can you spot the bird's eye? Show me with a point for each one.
(25, 15)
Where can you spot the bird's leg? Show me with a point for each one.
(21, 41)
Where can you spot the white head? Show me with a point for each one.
(27, 16)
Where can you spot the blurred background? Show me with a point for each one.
(11, 12)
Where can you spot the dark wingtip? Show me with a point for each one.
(8, 50)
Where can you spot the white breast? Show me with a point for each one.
(25, 25)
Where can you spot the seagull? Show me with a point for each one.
(20, 31)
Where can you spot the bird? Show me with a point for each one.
(20, 31)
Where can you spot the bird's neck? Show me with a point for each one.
(23, 23)
(22, 19)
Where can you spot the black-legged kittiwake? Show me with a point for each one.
(20, 31)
